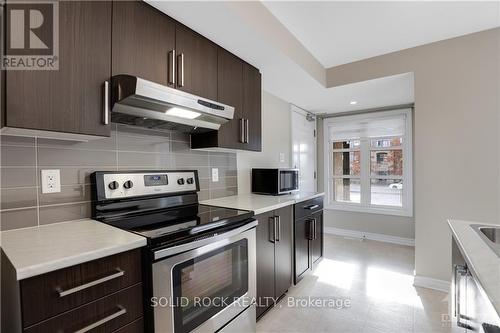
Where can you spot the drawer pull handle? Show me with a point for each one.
(104, 320)
(311, 207)
(63, 293)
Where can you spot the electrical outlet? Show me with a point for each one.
(215, 175)
(282, 157)
(51, 181)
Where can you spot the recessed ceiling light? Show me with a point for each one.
(353, 102)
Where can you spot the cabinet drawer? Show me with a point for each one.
(136, 326)
(308, 207)
(49, 294)
(107, 314)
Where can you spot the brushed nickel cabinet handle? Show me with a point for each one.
(278, 228)
(180, 71)
(63, 293)
(105, 119)
(104, 320)
(272, 229)
(311, 207)
(310, 231)
(242, 130)
(315, 235)
(171, 67)
(246, 130)
(460, 270)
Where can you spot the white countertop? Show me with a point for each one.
(259, 203)
(38, 250)
(480, 257)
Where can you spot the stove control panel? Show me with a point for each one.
(124, 185)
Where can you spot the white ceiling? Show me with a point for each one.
(339, 32)
(290, 69)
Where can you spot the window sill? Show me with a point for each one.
(370, 210)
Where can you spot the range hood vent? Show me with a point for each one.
(143, 103)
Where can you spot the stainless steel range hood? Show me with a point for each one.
(139, 102)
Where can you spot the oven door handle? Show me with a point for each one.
(160, 254)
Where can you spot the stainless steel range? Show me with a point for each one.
(199, 264)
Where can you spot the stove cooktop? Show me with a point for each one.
(161, 206)
(176, 225)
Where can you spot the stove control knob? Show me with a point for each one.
(180, 181)
(113, 185)
(190, 180)
(128, 184)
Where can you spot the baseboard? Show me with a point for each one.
(369, 235)
(430, 283)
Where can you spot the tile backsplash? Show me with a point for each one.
(23, 204)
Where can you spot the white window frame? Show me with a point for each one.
(365, 175)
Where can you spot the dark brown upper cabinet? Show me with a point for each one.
(196, 63)
(239, 85)
(252, 104)
(230, 92)
(143, 42)
(71, 99)
(152, 46)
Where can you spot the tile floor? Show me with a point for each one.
(377, 279)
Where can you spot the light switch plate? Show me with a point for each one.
(282, 157)
(215, 175)
(51, 181)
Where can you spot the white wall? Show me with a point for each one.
(276, 139)
(456, 135)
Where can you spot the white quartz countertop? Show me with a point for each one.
(38, 250)
(259, 203)
(480, 258)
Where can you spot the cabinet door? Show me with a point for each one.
(252, 104)
(143, 39)
(480, 314)
(265, 262)
(317, 241)
(196, 63)
(230, 91)
(302, 248)
(69, 99)
(283, 253)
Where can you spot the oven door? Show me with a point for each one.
(288, 180)
(202, 289)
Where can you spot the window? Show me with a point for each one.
(369, 162)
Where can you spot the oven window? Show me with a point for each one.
(205, 285)
(288, 180)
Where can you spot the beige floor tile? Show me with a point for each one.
(376, 278)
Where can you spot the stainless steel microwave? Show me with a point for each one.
(275, 181)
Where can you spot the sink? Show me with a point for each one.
(490, 235)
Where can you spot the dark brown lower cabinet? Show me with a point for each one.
(274, 256)
(104, 315)
(317, 239)
(302, 248)
(103, 295)
(308, 237)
